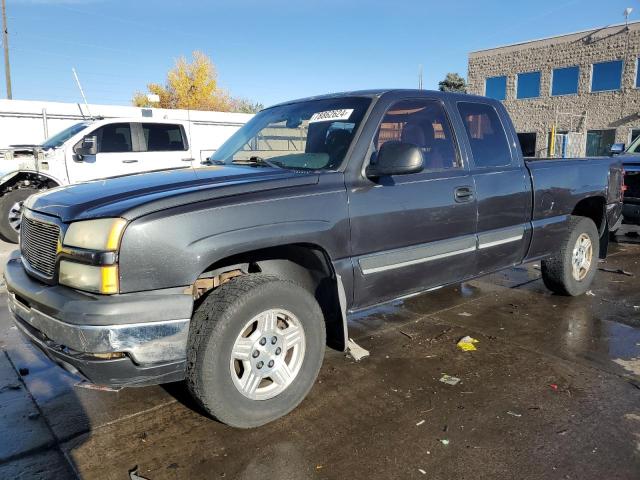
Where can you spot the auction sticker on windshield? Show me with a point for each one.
(331, 115)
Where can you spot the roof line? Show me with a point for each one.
(554, 36)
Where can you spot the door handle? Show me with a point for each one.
(187, 159)
(129, 161)
(463, 194)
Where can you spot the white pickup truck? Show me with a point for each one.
(90, 150)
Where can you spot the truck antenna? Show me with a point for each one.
(81, 91)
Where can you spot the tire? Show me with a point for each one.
(213, 376)
(558, 271)
(8, 203)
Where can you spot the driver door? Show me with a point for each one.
(417, 231)
(117, 154)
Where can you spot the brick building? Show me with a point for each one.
(585, 84)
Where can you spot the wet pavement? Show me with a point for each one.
(553, 391)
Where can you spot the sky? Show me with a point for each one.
(271, 50)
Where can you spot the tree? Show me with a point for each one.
(453, 83)
(193, 85)
(242, 105)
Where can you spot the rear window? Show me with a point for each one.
(160, 137)
(489, 144)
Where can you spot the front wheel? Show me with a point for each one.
(572, 269)
(11, 212)
(255, 348)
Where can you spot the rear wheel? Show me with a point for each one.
(11, 212)
(256, 345)
(572, 269)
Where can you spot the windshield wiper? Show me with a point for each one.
(256, 160)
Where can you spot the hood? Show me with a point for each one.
(134, 195)
(630, 161)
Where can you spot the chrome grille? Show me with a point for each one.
(39, 245)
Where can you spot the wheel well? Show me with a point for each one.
(28, 180)
(593, 208)
(308, 265)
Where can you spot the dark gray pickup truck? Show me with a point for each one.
(235, 276)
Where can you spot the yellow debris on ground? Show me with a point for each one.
(467, 344)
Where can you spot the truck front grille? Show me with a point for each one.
(39, 245)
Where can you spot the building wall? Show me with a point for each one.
(619, 110)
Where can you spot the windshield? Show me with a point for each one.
(635, 146)
(59, 138)
(311, 135)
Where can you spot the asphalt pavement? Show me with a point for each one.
(552, 391)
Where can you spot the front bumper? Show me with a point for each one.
(77, 330)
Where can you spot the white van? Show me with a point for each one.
(90, 150)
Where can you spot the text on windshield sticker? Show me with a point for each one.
(331, 115)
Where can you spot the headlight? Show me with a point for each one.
(102, 234)
(99, 279)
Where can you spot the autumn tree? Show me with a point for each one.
(453, 83)
(193, 85)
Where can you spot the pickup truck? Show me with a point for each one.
(235, 276)
(90, 150)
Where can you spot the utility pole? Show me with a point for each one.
(5, 42)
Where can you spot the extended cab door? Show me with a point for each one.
(417, 231)
(502, 185)
(116, 154)
(164, 145)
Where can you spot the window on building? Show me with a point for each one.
(564, 81)
(635, 133)
(527, 144)
(486, 134)
(599, 142)
(638, 72)
(528, 85)
(606, 76)
(496, 87)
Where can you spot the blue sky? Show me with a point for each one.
(269, 51)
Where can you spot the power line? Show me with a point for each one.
(139, 24)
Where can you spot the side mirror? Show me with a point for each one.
(87, 146)
(617, 148)
(396, 158)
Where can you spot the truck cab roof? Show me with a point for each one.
(379, 92)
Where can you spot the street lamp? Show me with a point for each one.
(626, 13)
